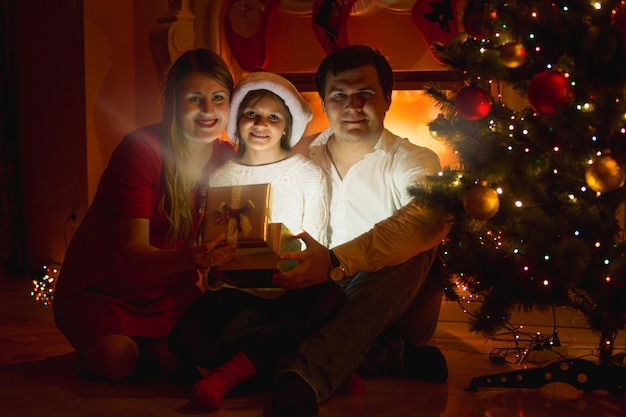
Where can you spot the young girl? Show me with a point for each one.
(268, 116)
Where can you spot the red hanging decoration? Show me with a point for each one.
(548, 91)
(245, 25)
(618, 17)
(472, 103)
(436, 21)
(330, 23)
(478, 23)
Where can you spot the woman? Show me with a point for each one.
(230, 334)
(132, 267)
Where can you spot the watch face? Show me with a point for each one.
(337, 274)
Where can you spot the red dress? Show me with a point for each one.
(96, 293)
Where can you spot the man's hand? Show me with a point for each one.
(313, 265)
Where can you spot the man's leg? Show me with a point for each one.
(418, 323)
(413, 329)
(326, 358)
(416, 327)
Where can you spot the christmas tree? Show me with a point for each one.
(539, 128)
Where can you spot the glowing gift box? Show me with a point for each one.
(241, 212)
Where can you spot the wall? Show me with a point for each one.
(293, 47)
(51, 116)
(87, 75)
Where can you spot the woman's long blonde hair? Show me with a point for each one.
(178, 180)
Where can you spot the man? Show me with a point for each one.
(383, 244)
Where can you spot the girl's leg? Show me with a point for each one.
(214, 327)
(290, 318)
(210, 390)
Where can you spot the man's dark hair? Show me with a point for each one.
(349, 58)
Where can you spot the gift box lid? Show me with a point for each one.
(241, 212)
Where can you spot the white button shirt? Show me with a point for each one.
(376, 186)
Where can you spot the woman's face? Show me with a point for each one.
(203, 107)
(262, 124)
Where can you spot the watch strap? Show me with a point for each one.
(334, 262)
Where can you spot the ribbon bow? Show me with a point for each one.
(236, 218)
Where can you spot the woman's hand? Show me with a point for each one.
(142, 257)
(207, 254)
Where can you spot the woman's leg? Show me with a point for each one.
(112, 357)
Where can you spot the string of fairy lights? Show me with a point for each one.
(43, 287)
(603, 173)
(581, 168)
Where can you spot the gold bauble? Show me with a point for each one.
(434, 133)
(604, 175)
(512, 54)
(481, 202)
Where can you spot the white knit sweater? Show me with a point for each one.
(298, 192)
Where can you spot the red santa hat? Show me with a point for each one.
(283, 88)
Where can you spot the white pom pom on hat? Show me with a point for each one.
(282, 87)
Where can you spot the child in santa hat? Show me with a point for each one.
(232, 334)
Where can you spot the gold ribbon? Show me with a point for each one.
(235, 215)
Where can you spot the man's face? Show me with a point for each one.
(355, 105)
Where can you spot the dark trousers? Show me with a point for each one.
(224, 322)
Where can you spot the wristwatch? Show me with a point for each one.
(337, 272)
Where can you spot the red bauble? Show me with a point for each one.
(478, 23)
(548, 91)
(619, 18)
(472, 103)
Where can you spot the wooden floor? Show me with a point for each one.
(39, 377)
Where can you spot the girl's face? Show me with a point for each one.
(262, 124)
(203, 107)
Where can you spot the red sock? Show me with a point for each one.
(210, 390)
(355, 384)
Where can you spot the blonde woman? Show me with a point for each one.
(132, 267)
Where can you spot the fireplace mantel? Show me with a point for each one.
(404, 80)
